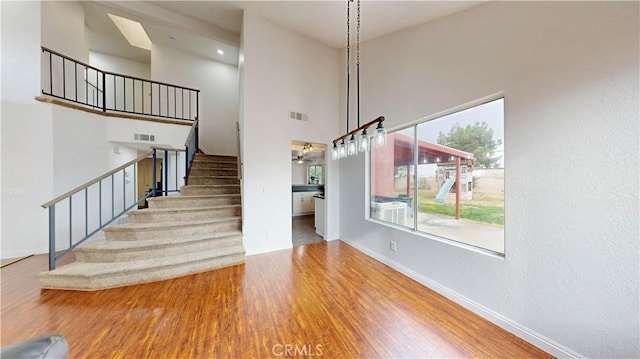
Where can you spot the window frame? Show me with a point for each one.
(414, 230)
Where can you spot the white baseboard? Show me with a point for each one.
(531, 336)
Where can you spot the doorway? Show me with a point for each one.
(307, 192)
(145, 178)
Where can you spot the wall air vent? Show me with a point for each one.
(298, 116)
(144, 137)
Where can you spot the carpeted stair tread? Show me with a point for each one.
(155, 226)
(182, 198)
(115, 245)
(98, 270)
(196, 231)
(90, 269)
(185, 209)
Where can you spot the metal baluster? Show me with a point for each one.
(186, 165)
(134, 95)
(86, 85)
(113, 195)
(175, 103)
(190, 104)
(167, 88)
(86, 212)
(124, 93)
(197, 104)
(124, 190)
(153, 175)
(166, 172)
(70, 222)
(75, 76)
(50, 75)
(52, 237)
(64, 79)
(182, 103)
(135, 182)
(115, 104)
(100, 202)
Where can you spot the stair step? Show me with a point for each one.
(195, 190)
(217, 158)
(208, 180)
(93, 276)
(198, 230)
(214, 172)
(143, 231)
(155, 215)
(194, 201)
(213, 164)
(120, 251)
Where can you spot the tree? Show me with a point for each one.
(476, 139)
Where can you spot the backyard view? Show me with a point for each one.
(457, 162)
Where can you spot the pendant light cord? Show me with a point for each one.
(348, 55)
(358, 63)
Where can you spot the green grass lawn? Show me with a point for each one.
(485, 214)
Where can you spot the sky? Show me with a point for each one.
(491, 112)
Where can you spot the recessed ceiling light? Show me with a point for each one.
(220, 52)
(132, 31)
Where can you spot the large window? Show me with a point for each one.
(445, 177)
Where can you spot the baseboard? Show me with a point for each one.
(24, 253)
(531, 336)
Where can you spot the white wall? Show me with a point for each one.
(218, 83)
(26, 127)
(570, 76)
(281, 71)
(120, 65)
(48, 150)
(63, 29)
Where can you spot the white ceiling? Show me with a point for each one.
(202, 27)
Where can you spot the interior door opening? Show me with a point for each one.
(307, 192)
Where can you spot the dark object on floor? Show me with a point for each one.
(51, 346)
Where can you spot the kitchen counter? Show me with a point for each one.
(307, 188)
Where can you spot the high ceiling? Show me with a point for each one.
(202, 27)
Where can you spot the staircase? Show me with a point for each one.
(197, 231)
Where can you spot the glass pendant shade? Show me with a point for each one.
(352, 146)
(363, 142)
(342, 149)
(334, 152)
(380, 137)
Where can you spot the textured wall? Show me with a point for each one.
(569, 74)
(281, 71)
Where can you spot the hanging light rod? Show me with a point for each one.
(352, 146)
(378, 121)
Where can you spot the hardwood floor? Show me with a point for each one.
(323, 299)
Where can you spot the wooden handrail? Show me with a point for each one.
(96, 180)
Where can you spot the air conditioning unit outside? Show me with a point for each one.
(392, 212)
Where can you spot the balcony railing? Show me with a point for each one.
(74, 81)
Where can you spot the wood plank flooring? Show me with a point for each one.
(318, 300)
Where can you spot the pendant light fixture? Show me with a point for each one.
(362, 143)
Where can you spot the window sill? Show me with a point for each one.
(451, 242)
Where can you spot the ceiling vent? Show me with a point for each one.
(298, 116)
(144, 137)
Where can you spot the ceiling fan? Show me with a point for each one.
(300, 159)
